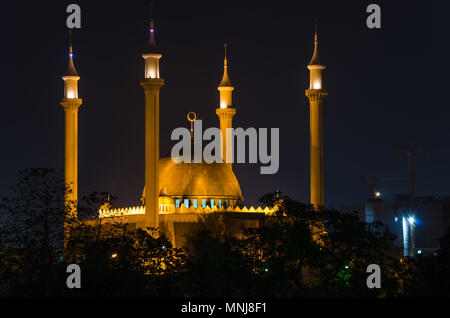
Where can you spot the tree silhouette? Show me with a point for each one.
(298, 251)
(115, 260)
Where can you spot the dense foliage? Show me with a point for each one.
(297, 252)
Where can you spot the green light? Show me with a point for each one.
(266, 269)
(346, 266)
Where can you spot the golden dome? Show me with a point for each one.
(184, 180)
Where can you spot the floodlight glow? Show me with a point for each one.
(411, 220)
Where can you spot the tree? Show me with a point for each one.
(431, 272)
(115, 259)
(135, 263)
(33, 219)
(215, 266)
(298, 251)
(322, 252)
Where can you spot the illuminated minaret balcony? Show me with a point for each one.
(151, 65)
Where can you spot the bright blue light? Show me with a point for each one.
(411, 220)
(71, 54)
(395, 219)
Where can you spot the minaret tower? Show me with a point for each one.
(316, 95)
(71, 103)
(226, 113)
(151, 84)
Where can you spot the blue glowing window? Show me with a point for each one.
(220, 204)
(177, 203)
(203, 203)
(195, 203)
(186, 202)
(212, 203)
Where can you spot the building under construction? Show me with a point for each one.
(417, 232)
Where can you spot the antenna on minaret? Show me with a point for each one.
(70, 41)
(152, 26)
(316, 40)
(225, 59)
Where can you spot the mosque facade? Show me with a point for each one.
(176, 194)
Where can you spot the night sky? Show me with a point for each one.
(386, 87)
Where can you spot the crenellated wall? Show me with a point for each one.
(182, 209)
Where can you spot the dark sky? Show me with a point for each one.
(386, 87)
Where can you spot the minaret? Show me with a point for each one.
(226, 113)
(316, 95)
(151, 84)
(71, 103)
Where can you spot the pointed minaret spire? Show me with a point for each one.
(315, 60)
(70, 71)
(152, 47)
(225, 79)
